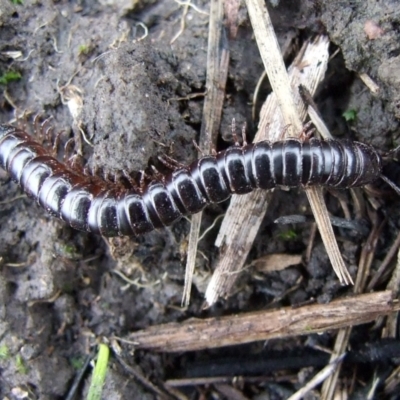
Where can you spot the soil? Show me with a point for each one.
(124, 99)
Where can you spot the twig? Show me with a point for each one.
(197, 334)
(371, 85)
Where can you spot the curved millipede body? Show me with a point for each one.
(110, 210)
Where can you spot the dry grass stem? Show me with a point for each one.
(319, 123)
(217, 73)
(245, 213)
(276, 262)
(329, 387)
(292, 114)
(237, 237)
(317, 379)
(392, 382)
(371, 85)
(385, 263)
(394, 285)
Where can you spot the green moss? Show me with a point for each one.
(77, 363)
(288, 235)
(9, 76)
(67, 250)
(83, 49)
(350, 115)
(21, 367)
(4, 352)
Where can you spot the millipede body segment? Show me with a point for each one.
(110, 210)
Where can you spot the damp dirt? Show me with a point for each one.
(124, 82)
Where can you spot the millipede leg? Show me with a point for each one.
(170, 162)
(158, 176)
(391, 153)
(234, 135)
(131, 181)
(244, 138)
(98, 205)
(307, 133)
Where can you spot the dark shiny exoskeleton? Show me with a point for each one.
(110, 210)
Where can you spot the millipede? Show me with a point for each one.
(111, 210)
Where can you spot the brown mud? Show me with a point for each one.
(126, 100)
